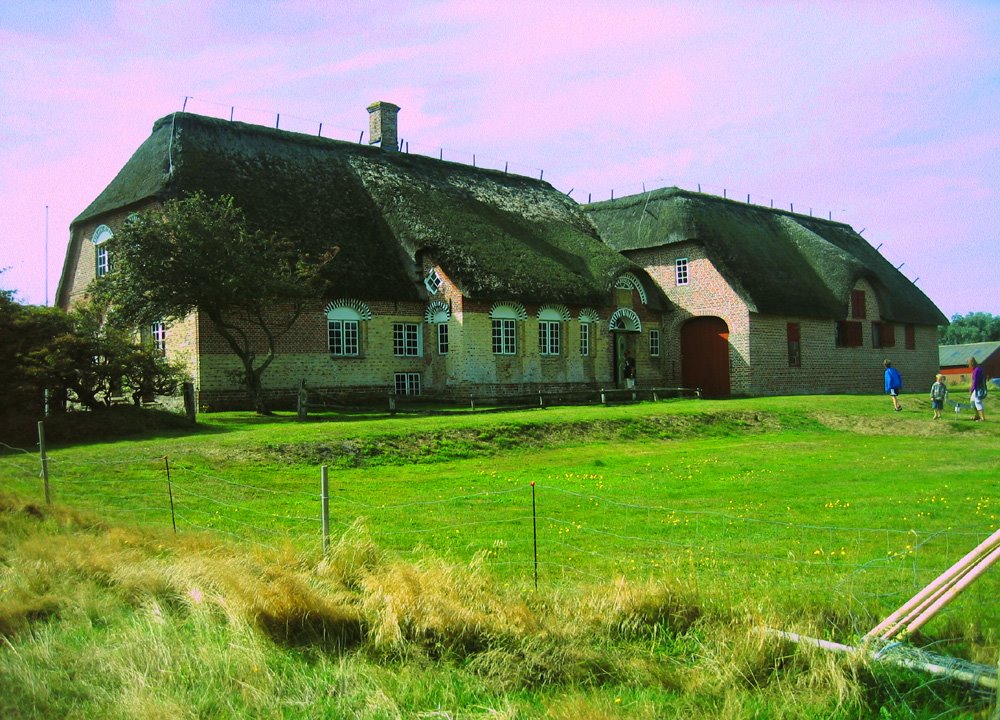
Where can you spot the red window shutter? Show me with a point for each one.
(858, 304)
(854, 334)
(887, 334)
(911, 337)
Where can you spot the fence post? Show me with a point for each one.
(541, 399)
(189, 407)
(604, 399)
(45, 460)
(302, 402)
(170, 492)
(392, 404)
(534, 531)
(324, 495)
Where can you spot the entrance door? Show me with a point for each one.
(705, 356)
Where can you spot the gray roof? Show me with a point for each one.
(958, 355)
(498, 236)
(782, 263)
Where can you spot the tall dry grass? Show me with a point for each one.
(129, 623)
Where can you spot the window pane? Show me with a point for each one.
(584, 339)
(442, 331)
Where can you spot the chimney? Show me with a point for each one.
(382, 125)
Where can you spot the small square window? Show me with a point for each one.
(407, 383)
(433, 281)
(847, 333)
(681, 270)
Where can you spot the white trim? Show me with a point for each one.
(102, 233)
(627, 318)
(437, 312)
(364, 312)
(508, 311)
(589, 315)
(553, 312)
(628, 281)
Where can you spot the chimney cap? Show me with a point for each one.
(382, 105)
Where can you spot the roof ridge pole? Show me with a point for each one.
(320, 133)
(277, 122)
(184, 106)
(232, 109)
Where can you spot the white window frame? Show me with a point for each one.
(504, 334)
(406, 383)
(681, 271)
(102, 258)
(442, 339)
(406, 339)
(343, 332)
(158, 335)
(584, 339)
(654, 343)
(433, 281)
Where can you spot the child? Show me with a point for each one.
(939, 393)
(893, 384)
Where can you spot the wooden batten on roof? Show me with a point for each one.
(784, 263)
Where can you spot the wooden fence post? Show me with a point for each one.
(45, 460)
(324, 495)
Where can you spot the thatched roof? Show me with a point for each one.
(782, 263)
(958, 355)
(498, 236)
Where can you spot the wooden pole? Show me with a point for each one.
(170, 492)
(45, 461)
(324, 484)
(887, 627)
(534, 531)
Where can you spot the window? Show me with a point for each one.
(883, 335)
(847, 333)
(910, 335)
(407, 383)
(103, 261)
(102, 257)
(504, 336)
(654, 343)
(681, 270)
(406, 339)
(158, 336)
(794, 345)
(342, 337)
(432, 281)
(343, 321)
(548, 337)
(858, 304)
(442, 333)
(584, 338)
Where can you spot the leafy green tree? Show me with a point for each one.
(200, 254)
(970, 328)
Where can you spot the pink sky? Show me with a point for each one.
(883, 114)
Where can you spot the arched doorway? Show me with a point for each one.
(705, 356)
(625, 327)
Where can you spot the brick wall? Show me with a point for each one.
(758, 344)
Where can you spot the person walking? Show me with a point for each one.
(893, 384)
(939, 393)
(977, 391)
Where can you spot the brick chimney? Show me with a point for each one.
(382, 125)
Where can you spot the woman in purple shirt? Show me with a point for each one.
(977, 393)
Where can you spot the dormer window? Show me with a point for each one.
(681, 271)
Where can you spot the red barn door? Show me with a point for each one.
(705, 356)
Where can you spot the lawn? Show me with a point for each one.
(817, 513)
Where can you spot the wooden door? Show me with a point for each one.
(705, 356)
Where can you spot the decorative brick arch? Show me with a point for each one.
(362, 309)
(437, 312)
(628, 281)
(624, 319)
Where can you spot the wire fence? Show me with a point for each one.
(523, 530)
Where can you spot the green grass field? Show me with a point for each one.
(667, 536)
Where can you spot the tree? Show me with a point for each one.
(200, 254)
(970, 328)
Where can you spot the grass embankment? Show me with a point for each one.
(669, 536)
